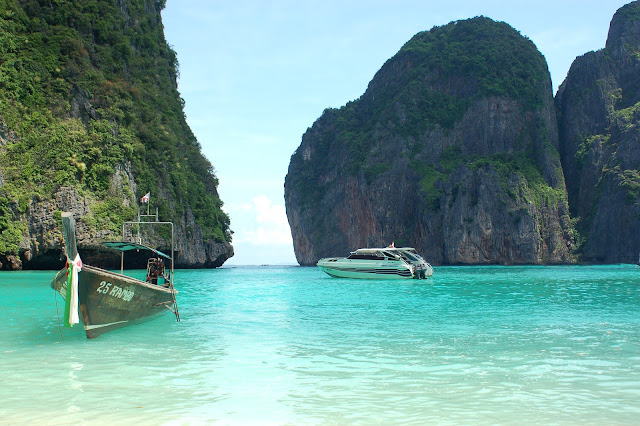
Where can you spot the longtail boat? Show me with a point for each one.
(109, 300)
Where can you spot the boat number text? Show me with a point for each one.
(115, 291)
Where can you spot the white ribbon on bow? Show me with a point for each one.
(72, 291)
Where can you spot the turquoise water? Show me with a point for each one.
(290, 345)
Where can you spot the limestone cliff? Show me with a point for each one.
(91, 120)
(452, 149)
(599, 120)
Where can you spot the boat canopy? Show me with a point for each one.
(126, 246)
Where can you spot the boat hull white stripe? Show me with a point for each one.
(365, 274)
(91, 327)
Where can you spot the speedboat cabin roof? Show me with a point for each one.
(363, 250)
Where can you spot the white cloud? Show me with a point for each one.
(269, 225)
(269, 213)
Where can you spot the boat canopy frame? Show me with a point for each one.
(143, 219)
(125, 246)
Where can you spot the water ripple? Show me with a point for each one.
(292, 346)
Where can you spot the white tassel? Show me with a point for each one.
(76, 266)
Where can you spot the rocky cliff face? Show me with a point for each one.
(41, 244)
(90, 120)
(599, 110)
(453, 149)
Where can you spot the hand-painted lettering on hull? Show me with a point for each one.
(109, 301)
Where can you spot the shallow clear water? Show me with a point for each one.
(290, 345)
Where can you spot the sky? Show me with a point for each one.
(255, 74)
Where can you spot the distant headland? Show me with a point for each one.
(458, 148)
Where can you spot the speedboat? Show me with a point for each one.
(378, 263)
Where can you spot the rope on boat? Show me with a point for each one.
(175, 303)
(173, 299)
(166, 305)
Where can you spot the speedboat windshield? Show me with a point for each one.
(411, 256)
(390, 255)
(366, 256)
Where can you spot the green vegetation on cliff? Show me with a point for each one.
(429, 84)
(88, 87)
(530, 183)
(491, 57)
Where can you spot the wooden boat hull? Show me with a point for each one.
(109, 301)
